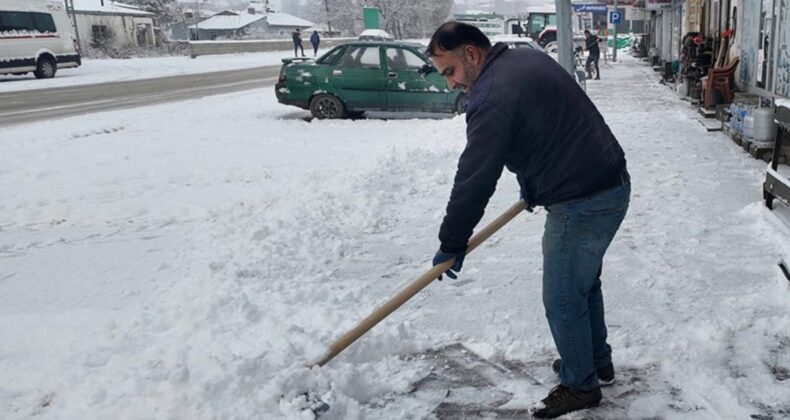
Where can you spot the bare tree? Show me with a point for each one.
(401, 18)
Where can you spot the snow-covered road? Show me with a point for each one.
(187, 260)
(95, 71)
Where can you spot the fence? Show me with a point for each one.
(198, 48)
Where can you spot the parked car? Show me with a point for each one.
(365, 76)
(36, 36)
(514, 41)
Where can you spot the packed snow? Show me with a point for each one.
(190, 260)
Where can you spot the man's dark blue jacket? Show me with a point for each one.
(527, 113)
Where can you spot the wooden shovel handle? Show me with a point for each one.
(414, 287)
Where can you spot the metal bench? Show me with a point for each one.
(776, 185)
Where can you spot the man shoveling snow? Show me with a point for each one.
(526, 113)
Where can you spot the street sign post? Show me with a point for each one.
(615, 18)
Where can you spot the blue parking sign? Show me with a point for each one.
(615, 17)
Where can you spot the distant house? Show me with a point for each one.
(253, 23)
(113, 24)
(189, 16)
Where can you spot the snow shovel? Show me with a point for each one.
(414, 287)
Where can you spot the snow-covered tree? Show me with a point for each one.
(165, 11)
(401, 18)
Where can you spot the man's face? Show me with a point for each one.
(460, 67)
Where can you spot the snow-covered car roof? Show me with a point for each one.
(511, 38)
(377, 34)
(515, 41)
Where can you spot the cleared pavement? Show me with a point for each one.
(41, 104)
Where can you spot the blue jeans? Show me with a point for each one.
(577, 234)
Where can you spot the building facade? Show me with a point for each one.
(105, 23)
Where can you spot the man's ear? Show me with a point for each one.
(472, 54)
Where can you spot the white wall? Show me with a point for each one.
(125, 28)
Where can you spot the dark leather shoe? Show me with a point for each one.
(563, 400)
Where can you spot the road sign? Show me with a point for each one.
(633, 13)
(615, 17)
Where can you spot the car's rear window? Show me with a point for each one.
(330, 57)
(361, 56)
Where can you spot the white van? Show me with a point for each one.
(37, 36)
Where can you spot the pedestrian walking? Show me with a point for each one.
(297, 39)
(546, 131)
(315, 40)
(591, 45)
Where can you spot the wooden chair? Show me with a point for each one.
(720, 79)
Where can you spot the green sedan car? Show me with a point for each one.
(367, 76)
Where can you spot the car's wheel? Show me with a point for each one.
(326, 106)
(552, 47)
(46, 68)
(460, 104)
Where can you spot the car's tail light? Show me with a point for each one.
(282, 78)
(76, 46)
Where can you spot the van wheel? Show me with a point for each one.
(46, 68)
(325, 106)
(460, 104)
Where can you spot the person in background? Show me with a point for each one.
(297, 39)
(591, 44)
(546, 131)
(315, 40)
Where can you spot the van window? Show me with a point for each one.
(25, 21)
(44, 22)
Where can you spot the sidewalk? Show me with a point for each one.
(697, 307)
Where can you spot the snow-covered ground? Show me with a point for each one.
(188, 260)
(116, 70)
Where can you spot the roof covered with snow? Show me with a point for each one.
(237, 20)
(109, 7)
(226, 20)
(284, 19)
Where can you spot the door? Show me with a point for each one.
(360, 78)
(408, 89)
(765, 49)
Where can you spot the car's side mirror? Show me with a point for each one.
(426, 69)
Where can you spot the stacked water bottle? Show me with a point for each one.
(753, 121)
(738, 113)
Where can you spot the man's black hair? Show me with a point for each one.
(587, 31)
(452, 35)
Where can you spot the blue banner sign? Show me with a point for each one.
(589, 8)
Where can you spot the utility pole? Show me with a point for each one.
(565, 34)
(70, 12)
(614, 51)
(328, 20)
